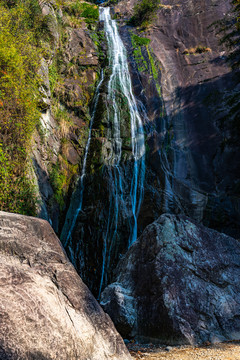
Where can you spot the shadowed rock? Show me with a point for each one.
(178, 283)
(46, 311)
(196, 163)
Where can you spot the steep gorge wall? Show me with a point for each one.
(191, 155)
(181, 93)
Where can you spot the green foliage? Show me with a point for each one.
(139, 41)
(17, 192)
(144, 12)
(22, 27)
(90, 12)
(53, 76)
(63, 119)
(82, 9)
(27, 15)
(145, 65)
(154, 71)
(58, 180)
(60, 177)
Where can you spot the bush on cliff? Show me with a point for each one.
(82, 9)
(143, 12)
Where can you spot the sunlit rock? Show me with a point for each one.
(46, 311)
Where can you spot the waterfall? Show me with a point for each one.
(76, 208)
(112, 225)
(120, 82)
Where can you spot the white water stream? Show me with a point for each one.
(125, 178)
(120, 81)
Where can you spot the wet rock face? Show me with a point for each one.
(178, 283)
(46, 311)
(188, 150)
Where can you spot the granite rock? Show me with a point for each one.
(46, 311)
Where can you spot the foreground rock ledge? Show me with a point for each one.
(46, 311)
(178, 283)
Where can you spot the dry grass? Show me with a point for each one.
(199, 49)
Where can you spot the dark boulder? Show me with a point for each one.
(178, 283)
(46, 311)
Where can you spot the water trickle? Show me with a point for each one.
(71, 220)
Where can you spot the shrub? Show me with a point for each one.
(139, 41)
(196, 50)
(81, 9)
(143, 12)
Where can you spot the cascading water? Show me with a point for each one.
(113, 197)
(120, 81)
(75, 208)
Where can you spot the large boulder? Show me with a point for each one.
(178, 283)
(46, 311)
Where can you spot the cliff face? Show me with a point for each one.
(190, 152)
(182, 85)
(69, 73)
(192, 169)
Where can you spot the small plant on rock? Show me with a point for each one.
(199, 49)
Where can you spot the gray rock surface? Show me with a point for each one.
(46, 311)
(195, 161)
(178, 283)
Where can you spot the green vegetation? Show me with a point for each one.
(112, 2)
(144, 12)
(148, 64)
(82, 9)
(139, 41)
(155, 71)
(53, 76)
(60, 179)
(26, 37)
(63, 119)
(23, 29)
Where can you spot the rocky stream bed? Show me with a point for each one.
(224, 351)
